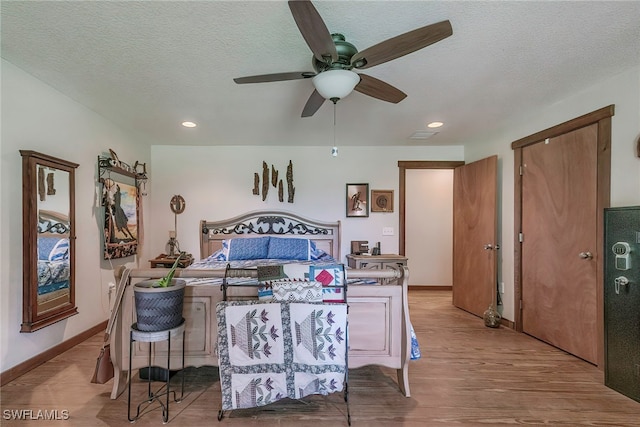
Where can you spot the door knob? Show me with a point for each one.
(489, 246)
(585, 255)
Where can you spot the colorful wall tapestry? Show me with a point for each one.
(120, 219)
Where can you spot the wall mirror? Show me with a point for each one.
(48, 240)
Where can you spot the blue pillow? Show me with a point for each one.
(249, 248)
(289, 248)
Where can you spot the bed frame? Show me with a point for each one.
(326, 235)
(379, 326)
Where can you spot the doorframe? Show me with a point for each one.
(403, 165)
(603, 194)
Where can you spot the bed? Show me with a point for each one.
(379, 326)
(53, 259)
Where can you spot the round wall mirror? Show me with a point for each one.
(177, 204)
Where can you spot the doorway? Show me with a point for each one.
(562, 185)
(429, 216)
(474, 193)
(403, 166)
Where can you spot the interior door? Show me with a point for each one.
(475, 218)
(559, 244)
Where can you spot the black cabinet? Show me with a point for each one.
(622, 300)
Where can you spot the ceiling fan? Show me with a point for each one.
(334, 59)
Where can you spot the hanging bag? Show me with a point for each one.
(104, 367)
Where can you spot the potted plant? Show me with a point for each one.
(159, 302)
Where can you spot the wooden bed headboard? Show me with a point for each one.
(53, 224)
(326, 235)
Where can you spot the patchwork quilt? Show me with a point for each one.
(270, 351)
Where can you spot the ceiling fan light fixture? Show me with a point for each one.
(335, 83)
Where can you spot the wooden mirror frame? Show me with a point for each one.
(33, 318)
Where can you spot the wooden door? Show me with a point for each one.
(559, 244)
(475, 235)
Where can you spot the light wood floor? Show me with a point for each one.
(469, 375)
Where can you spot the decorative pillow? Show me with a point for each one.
(53, 248)
(318, 254)
(60, 251)
(289, 248)
(249, 248)
(220, 254)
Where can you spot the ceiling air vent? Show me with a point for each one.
(422, 134)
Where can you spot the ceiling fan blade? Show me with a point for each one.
(277, 77)
(313, 29)
(314, 102)
(378, 89)
(402, 45)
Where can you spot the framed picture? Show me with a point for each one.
(381, 200)
(357, 200)
(120, 203)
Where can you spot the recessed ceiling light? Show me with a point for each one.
(435, 124)
(189, 124)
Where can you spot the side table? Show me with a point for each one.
(166, 261)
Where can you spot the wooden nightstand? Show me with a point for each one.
(165, 261)
(375, 261)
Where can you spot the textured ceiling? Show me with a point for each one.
(148, 65)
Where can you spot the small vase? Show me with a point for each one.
(492, 317)
(158, 308)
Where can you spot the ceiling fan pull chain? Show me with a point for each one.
(334, 150)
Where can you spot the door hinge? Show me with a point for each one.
(521, 305)
(521, 171)
(520, 237)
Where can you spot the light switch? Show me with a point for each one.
(387, 231)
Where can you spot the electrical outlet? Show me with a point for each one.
(502, 287)
(388, 231)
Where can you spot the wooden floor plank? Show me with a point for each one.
(469, 375)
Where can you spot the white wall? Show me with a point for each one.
(37, 117)
(623, 90)
(217, 183)
(429, 218)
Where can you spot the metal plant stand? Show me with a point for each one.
(152, 337)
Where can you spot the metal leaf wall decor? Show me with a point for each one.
(272, 178)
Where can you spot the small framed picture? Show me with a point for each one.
(381, 200)
(357, 200)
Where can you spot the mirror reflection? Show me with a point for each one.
(54, 266)
(48, 240)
